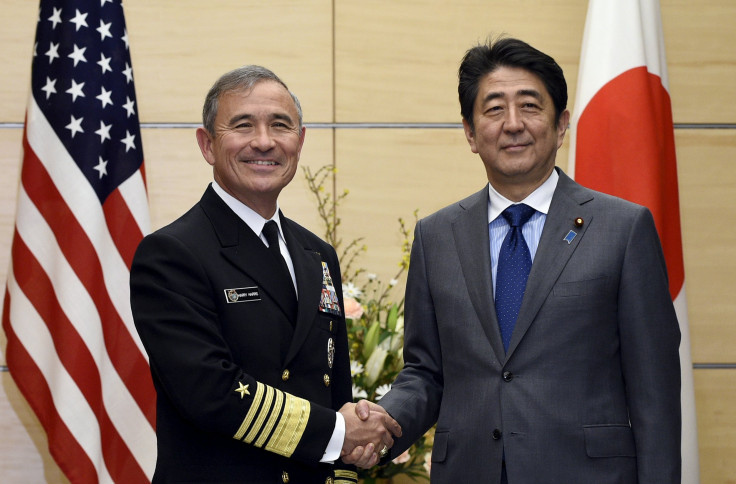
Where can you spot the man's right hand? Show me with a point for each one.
(368, 429)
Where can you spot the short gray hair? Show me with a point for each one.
(242, 78)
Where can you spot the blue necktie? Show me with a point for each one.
(514, 264)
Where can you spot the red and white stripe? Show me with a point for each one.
(622, 143)
(72, 347)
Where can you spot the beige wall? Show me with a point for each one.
(395, 62)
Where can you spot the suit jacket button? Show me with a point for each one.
(496, 434)
(329, 480)
(284, 477)
(508, 376)
(326, 378)
(285, 375)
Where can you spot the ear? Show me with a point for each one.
(301, 139)
(562, 125)
(470, 136)
(205, 145)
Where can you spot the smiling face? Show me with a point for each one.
(255, 147)
(515, 131)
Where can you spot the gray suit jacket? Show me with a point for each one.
(589, 391)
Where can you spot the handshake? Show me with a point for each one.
(369, 433)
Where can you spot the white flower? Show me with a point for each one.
(397, 342)
(400, 324)
(393, 282)
(382, 390)
(428, 463)
(356, 368)
(385, 344)
(374, 365)
(371, 276)
(350, 290)
(359, 392)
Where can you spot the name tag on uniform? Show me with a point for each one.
(242, 294)
(328, 302)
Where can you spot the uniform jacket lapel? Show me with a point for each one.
(308, 270)
(241, 246)
(554, 252)
(470, 231)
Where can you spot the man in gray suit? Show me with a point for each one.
(583, 386)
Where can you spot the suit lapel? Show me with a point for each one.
(245, 250)
(554, 252)
(470, 231)
(308, 270)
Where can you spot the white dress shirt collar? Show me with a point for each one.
(251, 218)
(540, 199)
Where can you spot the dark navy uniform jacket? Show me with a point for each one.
(248, 380)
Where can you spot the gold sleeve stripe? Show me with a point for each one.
(272, 419)
(290, 427)
(343, 476)
(260, 388)
(265, 410)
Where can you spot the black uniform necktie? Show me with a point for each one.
(271, 232)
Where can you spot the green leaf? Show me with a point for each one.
(393, 315)
(371, 339)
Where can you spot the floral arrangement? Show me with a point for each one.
(375, 323)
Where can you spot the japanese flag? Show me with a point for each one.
(622, 143)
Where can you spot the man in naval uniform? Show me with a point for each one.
(240, 311)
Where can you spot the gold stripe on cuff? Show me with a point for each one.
(343, 476)
(278, 404)
(290, 427)
(265, 410)
(251, 411)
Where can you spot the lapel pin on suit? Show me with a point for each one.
(572, 234)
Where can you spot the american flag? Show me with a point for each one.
(72, 348)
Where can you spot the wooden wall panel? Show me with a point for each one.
(392, 172)
(397, 61)
(180, 47)
(296, 201)
(715, 401)
(699, 38)
(176, 173)
(11, 152)
(707, 181)
(17, 29)
(389, 69)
